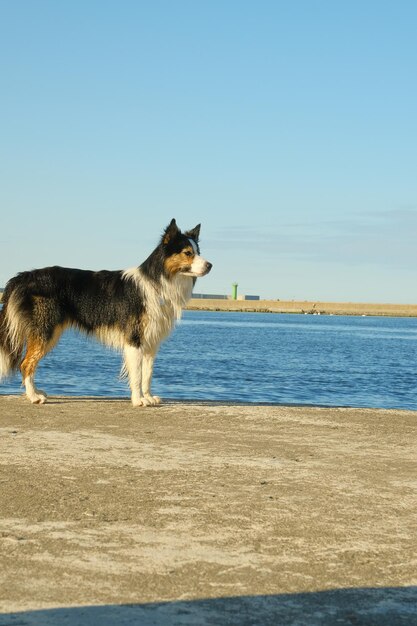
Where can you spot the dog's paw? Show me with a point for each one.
(38, 397)
(147, 400)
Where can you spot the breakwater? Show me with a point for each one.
(305, 307)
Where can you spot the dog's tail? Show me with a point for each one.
(13, 328)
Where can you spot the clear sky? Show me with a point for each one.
(287, 128)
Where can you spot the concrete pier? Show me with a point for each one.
(194, 513)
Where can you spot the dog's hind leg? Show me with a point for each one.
(36, 349)
(147, 371)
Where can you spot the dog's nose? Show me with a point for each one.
(208, 266)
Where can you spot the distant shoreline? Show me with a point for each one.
(304, 307)
(300, 307)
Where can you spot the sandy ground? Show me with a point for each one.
(293, 306)
(206, 514)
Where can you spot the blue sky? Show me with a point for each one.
(288, 129)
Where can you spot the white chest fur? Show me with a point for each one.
(163, 305)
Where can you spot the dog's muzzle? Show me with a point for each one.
(207, 268)
(200, 267)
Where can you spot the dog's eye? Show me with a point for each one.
(188, 253)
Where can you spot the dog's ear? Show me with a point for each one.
(194, 233)
(170, 232)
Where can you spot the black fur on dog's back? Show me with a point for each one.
(57, 296)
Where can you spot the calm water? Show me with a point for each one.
(255, 357)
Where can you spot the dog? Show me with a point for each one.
(132, 310)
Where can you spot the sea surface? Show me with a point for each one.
(255, 357)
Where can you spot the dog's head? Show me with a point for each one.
(182, 252)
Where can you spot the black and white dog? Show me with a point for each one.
(132, 310)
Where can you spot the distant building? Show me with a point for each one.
(248, 297)
(210, 296)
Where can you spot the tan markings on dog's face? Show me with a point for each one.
(181, 261)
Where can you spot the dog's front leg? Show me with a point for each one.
(133, 364)
(147, 371)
